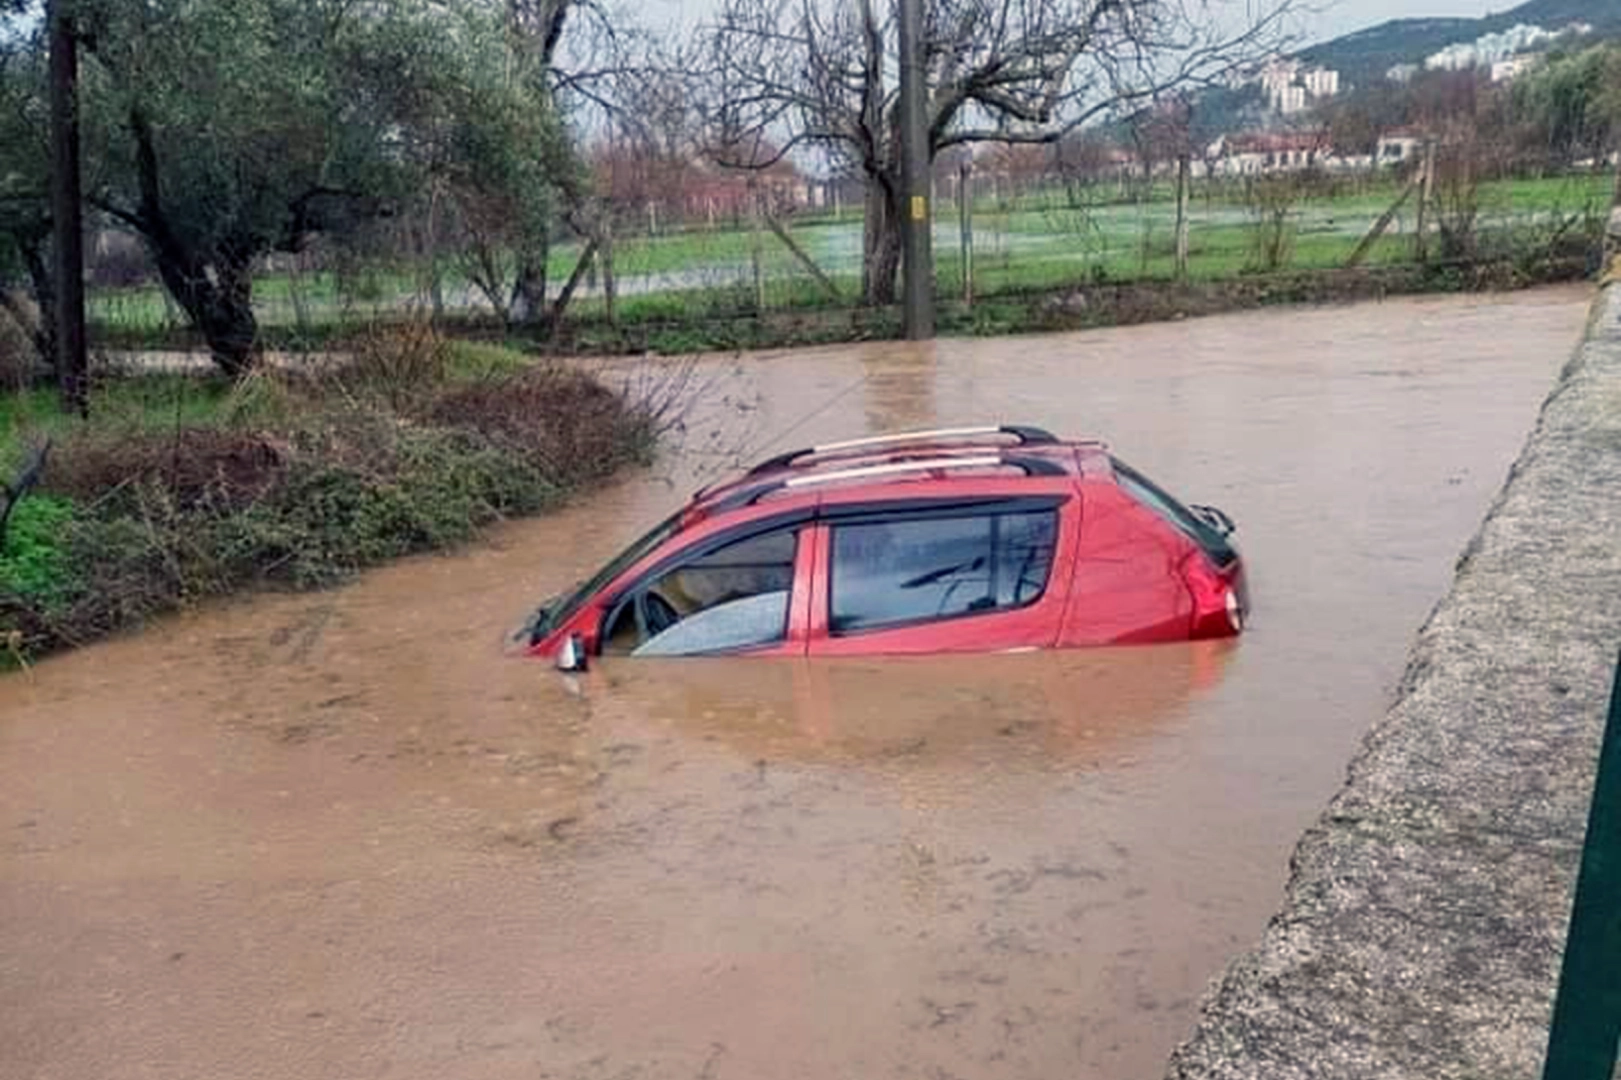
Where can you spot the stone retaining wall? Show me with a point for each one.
(1425, 915)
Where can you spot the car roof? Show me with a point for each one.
(1012, 452)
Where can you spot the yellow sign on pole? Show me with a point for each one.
(920, 208)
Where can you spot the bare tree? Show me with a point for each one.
(1271, 199)
(823, 74)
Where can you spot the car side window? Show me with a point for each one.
(733, 597)
(894, 572)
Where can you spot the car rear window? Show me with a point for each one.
(887, 573)
(1155, 498)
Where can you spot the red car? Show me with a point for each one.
(960, 540)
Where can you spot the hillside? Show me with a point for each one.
(1369, 53)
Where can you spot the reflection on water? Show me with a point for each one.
(959, 715)
(343, 834)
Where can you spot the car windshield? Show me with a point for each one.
(555, 614)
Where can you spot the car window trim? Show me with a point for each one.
(925, 508)
(613, 602)
(993, 508)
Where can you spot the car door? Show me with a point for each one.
(737, 592)
(985, 576)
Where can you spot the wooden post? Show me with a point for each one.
(608, 286)
(754, 248)
(1381, 225)
(799, 253)
(1145, 223)
(965, 214)
(1426, 189)
(1183, 169)
(587, 260)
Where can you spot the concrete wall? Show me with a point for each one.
(1424, 919)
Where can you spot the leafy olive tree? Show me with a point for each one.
(25, 220)
(223, 132)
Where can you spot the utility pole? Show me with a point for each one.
(67, 221)
(917, 266)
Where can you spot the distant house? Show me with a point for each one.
(670, 187)
(1257, 153)
(1399, 145)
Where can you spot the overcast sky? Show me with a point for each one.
(1334, 18)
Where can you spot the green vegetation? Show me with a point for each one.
(675, 283)
(187, 487)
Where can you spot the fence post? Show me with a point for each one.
(965, 214)
(1582, 1041)
(754, 246)
(1426, 189)
(1184, 167)
(606, 253)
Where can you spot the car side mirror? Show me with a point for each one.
(571, 656)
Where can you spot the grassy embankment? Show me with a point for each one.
(693, 289)
(185, 487)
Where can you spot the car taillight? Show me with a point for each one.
(1235, 611)
(1218, 609)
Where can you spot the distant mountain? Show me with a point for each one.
(1368, 54)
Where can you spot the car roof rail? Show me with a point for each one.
(1024, 433)
(1032, 466)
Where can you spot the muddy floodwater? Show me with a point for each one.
(343, 835)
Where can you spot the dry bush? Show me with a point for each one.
(1271, 200)
(557, 418)
(196, 467)
(399, 365)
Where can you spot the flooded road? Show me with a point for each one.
(342, 835)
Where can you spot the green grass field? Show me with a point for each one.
(1043, 240)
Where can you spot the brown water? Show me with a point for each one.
(341, 835)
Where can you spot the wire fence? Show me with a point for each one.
(1005, 240)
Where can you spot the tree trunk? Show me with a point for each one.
(881, 246)
(529, 288)
(218, 299)
(43, 286)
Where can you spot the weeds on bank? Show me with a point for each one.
(300, 480)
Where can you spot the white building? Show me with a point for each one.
(1278, 75)
(1452, 58)
(1398, 145)
(1513, 67)
(1258, 153)
(1490, 49)
(1322, 82)
(1290, 88)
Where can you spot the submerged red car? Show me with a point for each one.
(959, 540)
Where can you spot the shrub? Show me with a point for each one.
(32, 555)
(139, 521)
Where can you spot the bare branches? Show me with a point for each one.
(779, 76)
(1017, 71)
